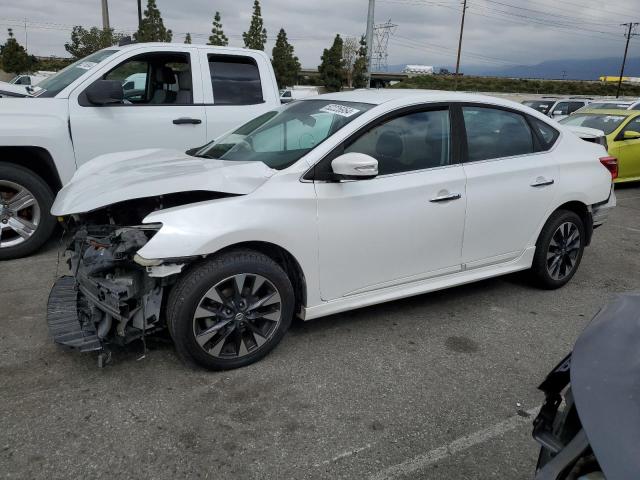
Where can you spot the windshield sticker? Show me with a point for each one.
(86, 65)
(341, 110)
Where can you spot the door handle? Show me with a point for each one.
(446, 198)
(186, 120)
(542, 182)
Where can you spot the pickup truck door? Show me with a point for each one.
(237, 88)
(163, 106)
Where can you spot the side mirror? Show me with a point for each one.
(557, 113)
(105, 92)
(631, 135)
(128, 86)
(354, 166)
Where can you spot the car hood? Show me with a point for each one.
(117, 177)
(14, 90)
(605, 368)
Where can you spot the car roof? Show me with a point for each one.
(610, 111)
(380, 96)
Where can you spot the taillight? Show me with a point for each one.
(611, 164)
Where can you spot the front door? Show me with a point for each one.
(511, 183)
(402, 226)
(162, 108)
(628, 151)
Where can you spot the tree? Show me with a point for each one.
(217, 34)
(256, 37)
(285, 64)
(332, 68)
(359, 74)
(85, 42)
(15, 58)
(349, 54)
(187, 38)
(152, 27)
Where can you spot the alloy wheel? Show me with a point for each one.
(563, 252)
(19, 214)
(237, 316)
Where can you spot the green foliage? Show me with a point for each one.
(15, 58)
(187, 38)
(256, 37)
(510, 85)
(359, 78)
(85, 42)
(152, 27)
(332, 67)
(285, 64)
(217, 34)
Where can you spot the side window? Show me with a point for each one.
(562, 108)
(414, 141)
(636, 106)
(632, 126)
(235, 80)
(573, 106)
(495, 133)
(546, 132)
(155, 79)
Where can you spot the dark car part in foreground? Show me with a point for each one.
(589, 425)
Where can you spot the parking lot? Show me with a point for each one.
(433, 387)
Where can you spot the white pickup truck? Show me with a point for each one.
(149, 95)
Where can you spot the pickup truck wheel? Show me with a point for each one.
(231, 310)
(25, 202)
(558, 250)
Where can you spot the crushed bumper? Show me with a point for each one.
(600, 212)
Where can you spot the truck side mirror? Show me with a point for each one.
(105, 92)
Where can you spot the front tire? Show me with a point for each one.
(25, 203)
(231, 310)
(559, 250)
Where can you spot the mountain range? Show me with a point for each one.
(571, 69)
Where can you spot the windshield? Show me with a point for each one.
(610, 106)
(606, 123)
(56, 83)
(540, 106)
(281, 137)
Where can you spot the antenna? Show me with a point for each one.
(382, 32)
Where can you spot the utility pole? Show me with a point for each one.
(105, 15)
(464, 11)
(628, 35)
(139, 13)
(370, 16)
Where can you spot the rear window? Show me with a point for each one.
(235, 80)
(606, 123)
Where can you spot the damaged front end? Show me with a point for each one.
(112, 296)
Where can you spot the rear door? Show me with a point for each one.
(237, 88)
(162, 109)
(511, 182)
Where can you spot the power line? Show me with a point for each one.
(630, 33)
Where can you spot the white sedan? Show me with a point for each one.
(321, 206)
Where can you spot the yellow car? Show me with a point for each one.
(622, 131)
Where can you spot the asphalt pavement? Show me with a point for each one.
(438, 386)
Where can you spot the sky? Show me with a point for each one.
(498, 33)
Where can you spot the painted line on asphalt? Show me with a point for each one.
(424, 460)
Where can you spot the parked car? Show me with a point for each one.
(321, 206)
(290, 94)
(589, 424)
(622, 133)
(9, 90)
(190, 95)
(611, 105)
(557, 108)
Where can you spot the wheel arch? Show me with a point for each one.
(583, 212)
(282, 257)
(36, 159)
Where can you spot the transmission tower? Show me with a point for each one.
(382, 32)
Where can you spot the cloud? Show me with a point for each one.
(497, 33)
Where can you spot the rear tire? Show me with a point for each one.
(25, 230)
(559, 250)
(231, 310)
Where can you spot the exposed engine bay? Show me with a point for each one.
(113, 297)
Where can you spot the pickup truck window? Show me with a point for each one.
(282, 137)
(155, 79)
(235, 80)
(56, 83)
